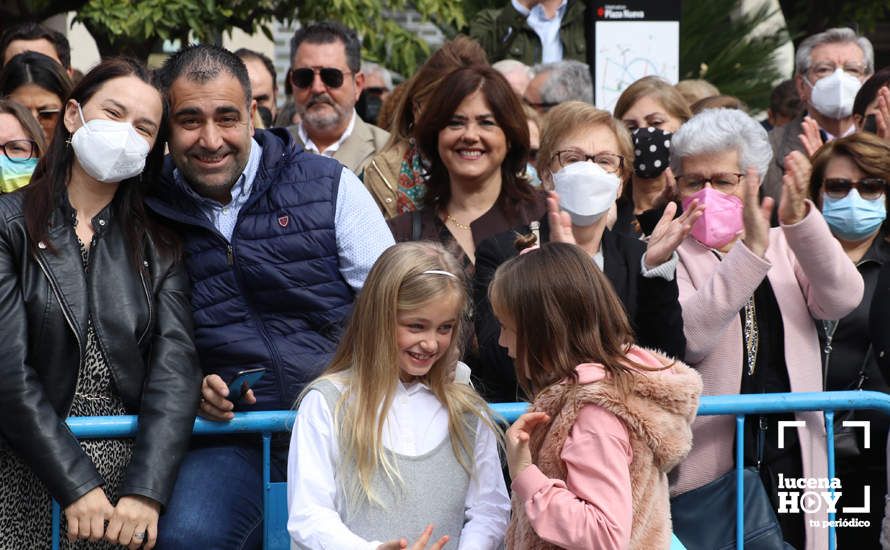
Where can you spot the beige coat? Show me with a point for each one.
(355, 153)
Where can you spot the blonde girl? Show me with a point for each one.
(609, 419)
(387, 449)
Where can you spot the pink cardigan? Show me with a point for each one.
(811, 278)
(597, 455)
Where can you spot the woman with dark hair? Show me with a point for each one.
(396, 176)
(38, 83)
(849, 186)
(21, 140)
(95, 314)
(473, 136)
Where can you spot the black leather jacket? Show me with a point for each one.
(143, 326)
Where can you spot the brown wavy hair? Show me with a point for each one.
(507, 110)
(565, 313)
(463, 51)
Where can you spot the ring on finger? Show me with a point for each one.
(139, 537)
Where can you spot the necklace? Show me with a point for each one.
(453, 220)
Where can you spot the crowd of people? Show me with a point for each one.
(178, 242)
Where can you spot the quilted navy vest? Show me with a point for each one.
(274, 296)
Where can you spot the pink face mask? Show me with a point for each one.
(721, 221)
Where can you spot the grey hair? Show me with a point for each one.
(509, 66)
(837, 35)
(369, 67)
(569, 80)
(718, 130)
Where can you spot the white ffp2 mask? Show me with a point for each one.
(586, 191)
(833, 95)
(108, 150)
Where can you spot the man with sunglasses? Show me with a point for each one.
(327, 81)
(829, 69)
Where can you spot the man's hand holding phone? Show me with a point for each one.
(215, 403)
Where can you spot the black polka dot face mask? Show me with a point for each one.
(652, 152)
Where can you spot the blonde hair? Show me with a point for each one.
(657, 88)
(406, 277)
(570, 117)
(696, 89)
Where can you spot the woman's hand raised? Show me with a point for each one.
(86, 516)
(670, 232)
(755, 215)
(402, 544)
(795, 185)
(560, 222)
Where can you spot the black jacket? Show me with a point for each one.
(651, 303)
(143, 326)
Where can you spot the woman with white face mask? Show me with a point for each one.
(750, 295)
(95, 315)
(849, 185)
(584, 156)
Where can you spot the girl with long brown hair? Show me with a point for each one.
(387, 447)
(609, 419)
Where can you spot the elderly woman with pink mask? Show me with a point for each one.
(749, 296)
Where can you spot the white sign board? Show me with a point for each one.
(629, 50)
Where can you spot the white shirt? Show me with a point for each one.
(417, 423)
(546, 29)
(332, 148)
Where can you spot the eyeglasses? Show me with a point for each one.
(826, 68)
(724, 182)
(374, 90)
(868, 188)
(610, 162)
(19, 150)
(330, 77)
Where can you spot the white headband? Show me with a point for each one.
(440, 272)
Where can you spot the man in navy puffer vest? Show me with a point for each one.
(276, 241)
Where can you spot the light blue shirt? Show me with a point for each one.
(361, 232)
(546, 29)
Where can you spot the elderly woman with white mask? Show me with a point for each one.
(749, 296)
(585, 155)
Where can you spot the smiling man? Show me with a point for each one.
(327, 81)
(276, 242)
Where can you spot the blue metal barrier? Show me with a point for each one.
(263, 422)
(268, 422)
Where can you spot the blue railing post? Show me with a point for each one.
(57, 525)
(739, 481)
(267, 481)
(829, 440)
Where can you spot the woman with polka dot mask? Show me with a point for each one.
(652, 110)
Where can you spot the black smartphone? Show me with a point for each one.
(242, 382)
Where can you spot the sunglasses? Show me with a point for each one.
(868, 188)
(330, 77)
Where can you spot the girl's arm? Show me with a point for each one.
(487, 506)
(592, 508)
(313, 520)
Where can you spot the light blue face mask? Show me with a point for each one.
(853, 218)
(14, 175)
(532, 173)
